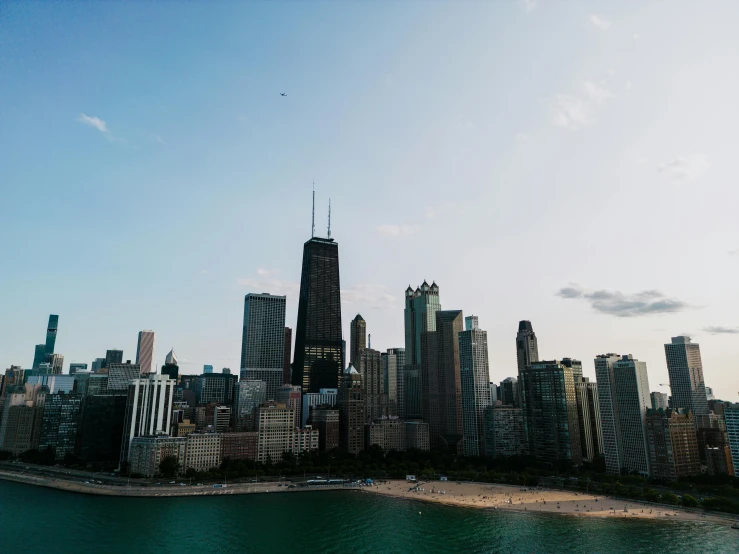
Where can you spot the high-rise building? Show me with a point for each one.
(686, 375)
(319, 347)
(357, 338)
(250, 394)
(148, 452)
(171, 367)
(588, 414)
(713, 444)
(504, 431)
(658, 400)
(527, 348)
(51, 330)
(39, 355)
(324, 397)
(60, 424)
(239, 446)
(351, 411)
(475, 383)
(609, 418)
(441, 386)
(493, 393)
(97, 364)
(207, 368)
(673, 446)
(509, 392)
(74, 367)
(549, 406)
(215, 387)
(271, 377)
(286, 372)
(263, 336)
(371, 370)
(148, 410)
(394, 369)
(203, 451)
(421, 306)
(56, 361)
(731, 418)
(113, 357)
(325, 419)
(276, 429)
(631, 396)
(120, 375)
(21, 416)
(103, 417)
(290, 396)
(145, 351)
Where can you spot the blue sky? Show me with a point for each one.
(151, 174)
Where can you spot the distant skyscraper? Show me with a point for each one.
(250, 394)
(319, 356)
(263, 337)
(51, 330)
(673, 446)
(686, 376)
(74, 367)
(113, 357)
(509, 395)
(527, 348)
(286, 373)
(659, 400)
(351, 411)
(56, 361)
(357, 338)
(121, 375)
(441, 387)
(393, 362)
(145, 351)
(290, 396)
(549, 406)
(97, 364)
(207, 368)
(612, 448)
(588, 413)
(171, 367)
(631, 395)
(39, 355)
(421, 306)
(731, 417)
(504, 432)
(60, 423)
(373, 378)
(475, 382)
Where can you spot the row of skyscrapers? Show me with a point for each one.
(435, 392)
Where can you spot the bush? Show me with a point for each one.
(689, 501)
(651, 495)
(670, 498)
(721, 504)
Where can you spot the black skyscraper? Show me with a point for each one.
(319, 356)
(51, 333)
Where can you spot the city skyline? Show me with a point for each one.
(594, 125)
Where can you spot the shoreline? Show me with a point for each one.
(511, 498)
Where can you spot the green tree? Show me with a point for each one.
(670, 498)
(689, 501)
(651, 495)
(169, 466)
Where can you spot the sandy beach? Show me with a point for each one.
(538, 500)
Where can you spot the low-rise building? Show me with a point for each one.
(146, 453)
(305, 440)
(239, 446)
(183, 428)
(325, 419)
(203, 451)
(392, 433)
(504, 431)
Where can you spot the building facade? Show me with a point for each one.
(202, 451)
(673, 445)
(504, 431)
(373, 377)
(324, 397)
(147, 453)
(350, 400)
(145, 351)
(475, 383)
(60, 424)
(421, 306)
(276, 431)
(357, 339)
(291, 396)
(685, 368)
(240, 446)
(631, 395)
(325, 420)
(263, 339)
(609, 417)
(215, 387)
(588, 414)
(658, 400)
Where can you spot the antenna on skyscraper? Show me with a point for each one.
(369, 341)
(329, 219)
(313, 217)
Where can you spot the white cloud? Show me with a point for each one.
(369, 296)
(94, 122)
(398, 230)
(267, 272)
(522, 138)
(618, 304)
(684, 168)
(719, 330)
(599, 22)
(571, 112)
(597, 93)
(528, 5)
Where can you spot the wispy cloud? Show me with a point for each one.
(398, 230)
(370, 296)
(528, 5)
(684, 168)
(270, 286)
(718, 330)
(618, 304)
(262, 272)
(599, 22)
(94, 122)
(574, 112)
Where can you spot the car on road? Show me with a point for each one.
(200, 484)
(172, 483)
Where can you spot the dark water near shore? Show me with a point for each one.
(34, 519)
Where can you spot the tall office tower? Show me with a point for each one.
(263, 336)
(658, 400)
(250, 394)
(709, 394)
(673, 446)
(351, 411)
(121, 375)
(731, 418)
(527, 348)
(286, 377)
(631, 395)
(39, 355)
(493, 393)
(324, 397)
(102, 428)
(441, 386)
(148, 410)
(686, 375)
(74, 367)
(588, 414)
(421, 306)
(509, 395)
(475, 382)
(575, 366)
(393, 362)
(357, 338)
(290, 396)
(611, 431)
(113, 357)
(56, 361)
(60, 422)
(51, 330)
(319, 347)
(549, 406)
(713, 444)
(371, 370)
(97, 364)
(171, 367)
(145, 351)
(325, 419)
(215, 387)
(504, 432)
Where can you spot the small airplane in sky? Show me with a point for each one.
(283, 94)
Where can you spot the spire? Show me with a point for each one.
(313, 216)
(329, 219)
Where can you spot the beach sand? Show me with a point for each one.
(537, 500)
